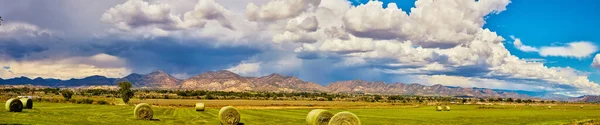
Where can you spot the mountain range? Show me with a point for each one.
(224, 80)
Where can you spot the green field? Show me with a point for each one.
(61, 113)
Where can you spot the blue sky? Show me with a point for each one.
(548, 46)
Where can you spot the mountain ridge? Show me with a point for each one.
(224, 80)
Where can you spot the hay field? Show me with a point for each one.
(61, 113)
(266, 104)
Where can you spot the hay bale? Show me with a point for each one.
(27, 103)
(439, 108)
(14, 105)
(199, 106)
(228, 115)
(143, 111)
(318, 117)
(344, 118)
(549, 107)
(447, 108)
(581, 106)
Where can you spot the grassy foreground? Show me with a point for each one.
(60, 113)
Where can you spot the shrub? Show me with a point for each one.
(102, 102)
(85, 101)
(67, 94)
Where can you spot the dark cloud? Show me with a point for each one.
(175, 56)
(17, 50)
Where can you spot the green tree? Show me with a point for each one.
(378, 97)
(67, 93)
(509, 100)
(125, 91)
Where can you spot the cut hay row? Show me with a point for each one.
(318, 117)
(27, 103)
(143, 111)
(199, 106)
(14, 105)
(228, 115)
(344, 118)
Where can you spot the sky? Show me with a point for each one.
(546, 46)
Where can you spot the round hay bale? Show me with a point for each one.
(344, 118)
(447, 108)
(581, 106)
(143, 111)
(549, 107)
(199, 106)
(439, 108)
(27, 103)
(14, 105)
(228, 115)
(318, 117)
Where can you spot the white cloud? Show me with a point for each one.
(207, 10)
(353, 45)
(596, 62)
(66, 68)
(246, 69)
(135, 14)
(23, 29)
(279, 9)
(581, 49)
(443, 24)
(519, 45)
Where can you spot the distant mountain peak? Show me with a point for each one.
(221, 74)
(158, 72)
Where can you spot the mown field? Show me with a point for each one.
(61, 113)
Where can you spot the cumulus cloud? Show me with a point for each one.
(135, 14)
(279, 9)
(596, 62)
(436, 24)
(207, 10)
(138, 13)
(581, 49)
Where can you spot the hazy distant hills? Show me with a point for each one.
(156, 79)
(224, 80)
